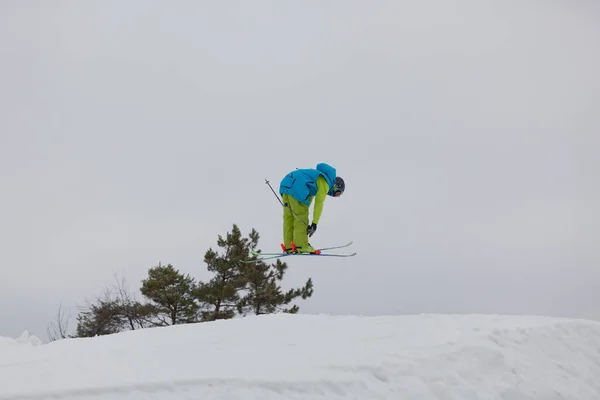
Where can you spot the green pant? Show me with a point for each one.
(294, 230)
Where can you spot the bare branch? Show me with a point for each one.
(58, 328)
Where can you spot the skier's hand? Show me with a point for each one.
(311, 229)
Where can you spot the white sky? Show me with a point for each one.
(468, 136)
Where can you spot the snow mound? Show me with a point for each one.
(317, 357)
(25, 338)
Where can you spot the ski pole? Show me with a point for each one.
(285, 204)
(267, 182)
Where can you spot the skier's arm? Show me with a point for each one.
(322, 189)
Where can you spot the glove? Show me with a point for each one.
(311, 229)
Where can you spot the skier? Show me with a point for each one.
(297, 190)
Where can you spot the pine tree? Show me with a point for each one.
(171, 294)
(222, 292)
(111, 316)
(115, 311)
(265, 295)
(103, 318)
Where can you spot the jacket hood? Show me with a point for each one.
(328, 171)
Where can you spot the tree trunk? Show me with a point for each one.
(217, 309)
(174, 316)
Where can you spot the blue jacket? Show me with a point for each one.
(301, 184)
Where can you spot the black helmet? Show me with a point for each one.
(338, 187)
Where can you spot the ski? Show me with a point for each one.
(257, 253)
(271, 256)
(281, 255)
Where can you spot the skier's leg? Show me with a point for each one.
(288, 222)
(300, 235)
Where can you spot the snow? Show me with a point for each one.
(316, 357)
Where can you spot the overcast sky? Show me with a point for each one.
(133, 133)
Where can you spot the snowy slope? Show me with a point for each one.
(313, 357)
